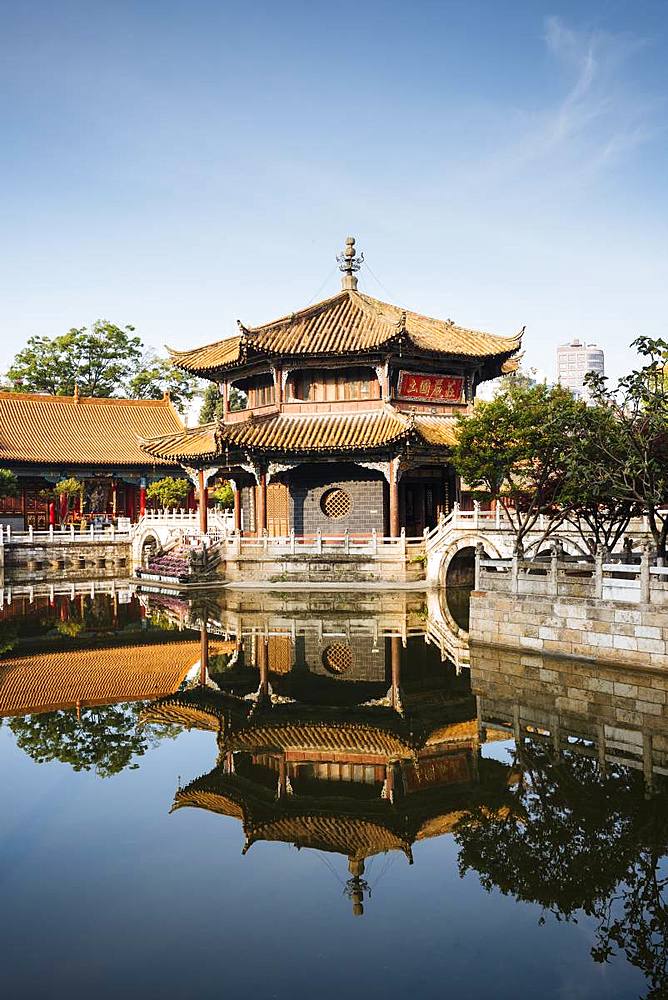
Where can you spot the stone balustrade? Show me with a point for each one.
(606, 611)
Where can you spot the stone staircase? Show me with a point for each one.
(181, 565)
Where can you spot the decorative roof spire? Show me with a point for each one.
(348, 263)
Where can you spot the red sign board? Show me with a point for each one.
(431, 388)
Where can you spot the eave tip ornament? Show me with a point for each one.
(349, 262)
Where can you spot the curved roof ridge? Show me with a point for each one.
(513, 342)
(311, 310)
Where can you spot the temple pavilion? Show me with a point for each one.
(350, 416)
(45, 439)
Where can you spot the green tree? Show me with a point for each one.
(71, 488)
(168, 492)
(212, 403)
(639, 405)
(223, 495)
(597, 511)
(106, 739)
(9, 484)
(514, 449)
(157, 376)
(105, 360)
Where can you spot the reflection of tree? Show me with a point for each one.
(586, 842)
(8, 636)
(106, 739)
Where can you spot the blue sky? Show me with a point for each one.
(179, 165)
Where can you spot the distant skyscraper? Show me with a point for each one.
(574, 360)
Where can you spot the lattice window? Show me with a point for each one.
(338, 658)
(336, 503)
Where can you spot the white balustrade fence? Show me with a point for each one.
(639, 583)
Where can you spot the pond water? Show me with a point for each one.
(296, 795)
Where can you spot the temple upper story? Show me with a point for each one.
(352, 352)
(321, 403)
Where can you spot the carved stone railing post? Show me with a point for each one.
(598, 573)
(554, 571)
(479, 553)
(645, 576)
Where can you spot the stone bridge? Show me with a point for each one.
(462, 530)
(160, 529)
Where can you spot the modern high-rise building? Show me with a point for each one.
(574, 360)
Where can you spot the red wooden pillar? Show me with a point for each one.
(130, 501)
(52, 513)
(262, 504)
(263, 665)
(203, 503)
(237, 510)
(142, 499)
(114, 497)
(395, 527)
(203, 653)
(396, 669)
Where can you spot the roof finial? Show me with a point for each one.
(349, 263)
(76, 393)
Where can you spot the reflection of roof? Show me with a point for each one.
(293, 727)
(81, 430)
(358, 832)
(284, 727)
(343, 822)
(317, 432)
(46, 681)
(346, 323)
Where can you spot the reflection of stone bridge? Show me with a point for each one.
(462, 530)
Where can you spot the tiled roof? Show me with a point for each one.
(321, 737)
(353, 836)
(62, 430)
(349, 322)
(46, 681)
(317, 432)
(318, 826)
(193, 443)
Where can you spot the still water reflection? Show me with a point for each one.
(497, 823)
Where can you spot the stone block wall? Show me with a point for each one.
(308, 484)
(621, 711)
(606, 631)
(66, 560)
(328, 568)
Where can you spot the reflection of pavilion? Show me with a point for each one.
(361, 780)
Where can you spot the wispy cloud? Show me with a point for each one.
(598, 116)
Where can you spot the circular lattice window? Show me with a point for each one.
(338, 658)
(336, 504)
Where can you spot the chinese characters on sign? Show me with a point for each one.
(437, 388)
